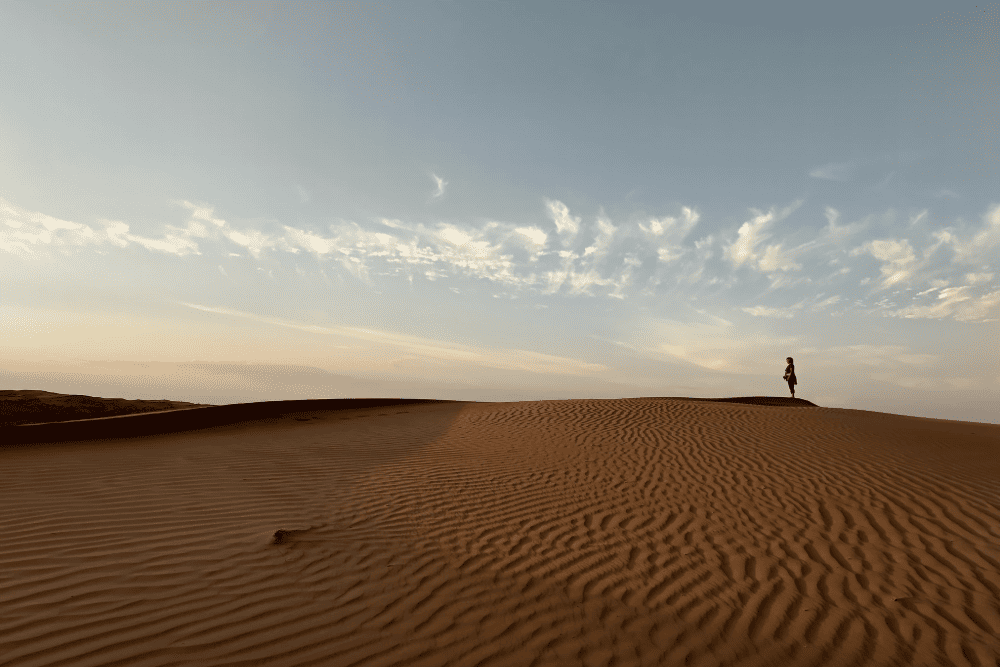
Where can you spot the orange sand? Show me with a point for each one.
(644, 531)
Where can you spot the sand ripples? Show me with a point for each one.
(618, 532)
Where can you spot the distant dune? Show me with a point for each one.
(638, 531)
(53, 418)
(27, 406)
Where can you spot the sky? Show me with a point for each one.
(503, 201)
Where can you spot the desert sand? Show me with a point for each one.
(28, 406)
(639, 531)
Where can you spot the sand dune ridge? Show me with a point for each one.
(588, 532)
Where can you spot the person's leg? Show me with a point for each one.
(791, 388)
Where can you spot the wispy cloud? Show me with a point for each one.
(753, 232)
(566, 225)
(977, 278)
(533, 238)
(499, 358)
(764, 311)
(597, 256)
(440, 183)
(918, 218)
(669, 232)
(834, 171)
(789, 312)
(898, 259)
(602, 240)
(836, 234)
(959, 303)
(750, 235)
(26, 233)
(826, 303)
(981, 248)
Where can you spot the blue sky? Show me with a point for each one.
(503, 201)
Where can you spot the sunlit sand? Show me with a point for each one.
(639, 531)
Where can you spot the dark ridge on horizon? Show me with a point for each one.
(32, 406)
(188, 417)
(783, 401)
(34, 416)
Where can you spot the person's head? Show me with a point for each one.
(788, 359)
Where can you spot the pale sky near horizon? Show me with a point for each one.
(524, 200)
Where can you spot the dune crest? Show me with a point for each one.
(28, 406)
(783, 401)
(643, 531)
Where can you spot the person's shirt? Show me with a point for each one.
(790, 370)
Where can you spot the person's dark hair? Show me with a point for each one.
(789, 360)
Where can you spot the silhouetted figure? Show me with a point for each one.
(790, 375)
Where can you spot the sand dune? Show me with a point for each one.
(27, 406)
(644, 531)
(173, 420)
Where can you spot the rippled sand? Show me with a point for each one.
(645, 531)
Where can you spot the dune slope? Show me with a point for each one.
(641, 531)
(29, 406)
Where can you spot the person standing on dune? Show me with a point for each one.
(790, 375)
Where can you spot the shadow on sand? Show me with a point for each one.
(186, 419)
(783, 401)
